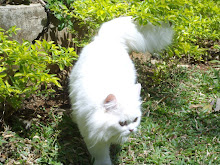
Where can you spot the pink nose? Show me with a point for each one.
(131, 130)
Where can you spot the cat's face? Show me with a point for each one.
(130, 125)
(123, 118)
(122, 123)
(128, 120)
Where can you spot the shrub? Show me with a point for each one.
(23, 68)
(196, 23)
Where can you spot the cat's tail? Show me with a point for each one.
(135, 37)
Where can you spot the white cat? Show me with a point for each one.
(104, 95)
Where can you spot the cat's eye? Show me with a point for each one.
(123, 123)
(135, 119)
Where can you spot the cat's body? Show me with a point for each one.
(103, 91)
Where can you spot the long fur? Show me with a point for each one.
(103, 89)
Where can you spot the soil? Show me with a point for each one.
(40, 105)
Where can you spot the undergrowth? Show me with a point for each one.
(26, 67)
(196, 23)
(179, 126)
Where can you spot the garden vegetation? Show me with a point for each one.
(180, 123)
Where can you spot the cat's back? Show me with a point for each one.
(104, 60)
(102, 68)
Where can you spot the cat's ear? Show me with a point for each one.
(138, 88)
(110, 102)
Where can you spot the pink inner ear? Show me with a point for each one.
(110, 98)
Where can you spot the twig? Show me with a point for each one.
(161, 100)
(196, 124)
(155, 106)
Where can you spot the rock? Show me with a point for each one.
(30, 18)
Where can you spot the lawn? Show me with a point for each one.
(179, 126)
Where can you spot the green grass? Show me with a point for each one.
(179, 126)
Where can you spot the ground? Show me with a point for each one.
(179, 123)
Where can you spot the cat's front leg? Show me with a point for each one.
(100, 151)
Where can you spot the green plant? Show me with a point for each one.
(24, 68)
(178, 126)
(196, 23)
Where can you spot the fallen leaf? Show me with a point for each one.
(217, 108)
(39, 116)
(208, 108)
(36, 137)
(195, 106)
(2, 159)
(7, 136)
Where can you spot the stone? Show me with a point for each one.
(30, 18)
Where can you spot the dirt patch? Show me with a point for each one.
(38, 106)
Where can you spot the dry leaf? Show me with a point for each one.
(195, 106)
(7, 136)
(208, 108)
(217, 108)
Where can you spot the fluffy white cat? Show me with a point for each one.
(104, 94)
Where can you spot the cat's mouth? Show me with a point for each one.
(129, 132)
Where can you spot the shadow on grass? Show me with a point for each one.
(72, 148)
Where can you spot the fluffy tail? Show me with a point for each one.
(135, 37)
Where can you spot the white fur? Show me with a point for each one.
(104, 68)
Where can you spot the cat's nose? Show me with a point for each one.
(131, 130)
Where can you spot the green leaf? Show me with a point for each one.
(3, 74)
(18, 74)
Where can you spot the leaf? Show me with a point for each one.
(56, 83)
(18, 74)
(215, 61)
(38, 42)
(195, 106)
(2, 30)
(3, 75)
(2, 142)
(208, 108)
(217, 108)
(7, 136)
(217, 47)
(33, 47)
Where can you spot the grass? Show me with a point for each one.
(179, 126)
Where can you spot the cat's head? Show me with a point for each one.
(123, 114)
